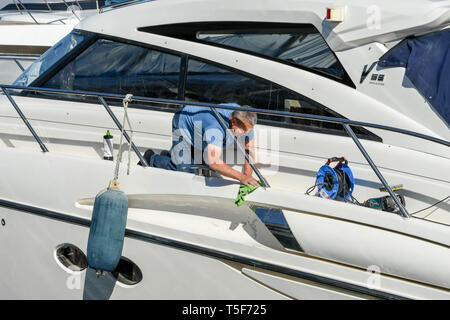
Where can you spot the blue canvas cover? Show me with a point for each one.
(427, 63)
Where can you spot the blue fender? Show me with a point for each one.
(107, 231)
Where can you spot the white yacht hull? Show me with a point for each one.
(184, 232)
(185, 251)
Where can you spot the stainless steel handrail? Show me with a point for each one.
(73, 11)
(21, 55)
(48, 6)
(17, 6)
(19, 65)
(344, 122)
(16, 59)
(27, 11)
(260, 111)
(125, 134)
(16, 56)
(350, 132)
(24, 119)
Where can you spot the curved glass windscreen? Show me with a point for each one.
(115, 67)
(49, 58)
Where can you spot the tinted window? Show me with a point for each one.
(306, 49)
(50, 58)
(299, 45)
(209, 83)
(113, 67)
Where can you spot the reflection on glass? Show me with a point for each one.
(114, 67)
(49, 58)
(306, 49)
(209, 83)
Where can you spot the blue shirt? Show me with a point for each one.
(199, 126)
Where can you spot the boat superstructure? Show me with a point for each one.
(29, 28)
(312, 84)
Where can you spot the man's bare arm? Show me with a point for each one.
(214, 153)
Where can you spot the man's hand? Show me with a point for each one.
(248, 180)
(218, 165)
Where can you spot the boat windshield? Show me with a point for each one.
(49, 58)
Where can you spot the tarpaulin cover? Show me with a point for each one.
(427, 63)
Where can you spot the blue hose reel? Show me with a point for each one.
(337, 181)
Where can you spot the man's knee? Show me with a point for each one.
(163, 162)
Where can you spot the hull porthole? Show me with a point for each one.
(71, 257)
(127, 272)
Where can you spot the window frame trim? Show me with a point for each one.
(346, 80)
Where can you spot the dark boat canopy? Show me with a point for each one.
(427, 63)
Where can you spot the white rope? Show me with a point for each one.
(125, 102)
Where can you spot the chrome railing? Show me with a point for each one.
(17, 58)
(21, 8)
(25, 9)
(24, 119)
(73, 11)
(346, 123)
